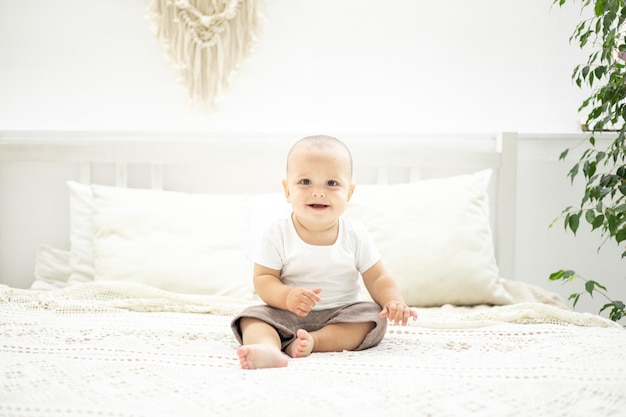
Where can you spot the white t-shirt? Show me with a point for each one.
(336, 268)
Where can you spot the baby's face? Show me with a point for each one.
(318, 184)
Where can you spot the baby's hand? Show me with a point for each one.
(300, 300)
(398, 313)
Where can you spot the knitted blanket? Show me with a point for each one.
(106, 349)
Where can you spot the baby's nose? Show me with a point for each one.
(318, 192)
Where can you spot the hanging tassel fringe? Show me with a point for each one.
(206, 40)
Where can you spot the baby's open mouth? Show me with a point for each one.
(317, 206)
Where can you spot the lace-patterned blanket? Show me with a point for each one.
(127, 350)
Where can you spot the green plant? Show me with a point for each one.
(603, 204)
(616, 307)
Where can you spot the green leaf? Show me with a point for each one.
(620, 236)
(568, 274)
(574, 297)
(617, 310)
(599, 71)
(597, 284)
(597, 222)
(573, 172)
(599, 207)
(589, 285)
(611, 222)
(555, 276)
(573, 222)
(603, 192)
(616, 314)
(599, 9)
(564, 274)
(604, 307)
(563, 154)
(585, 71)
(589, 168)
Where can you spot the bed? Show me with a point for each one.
(124, 255)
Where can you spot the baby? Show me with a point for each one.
(308, 269)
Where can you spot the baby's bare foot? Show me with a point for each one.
(302, 346)
(261, 356)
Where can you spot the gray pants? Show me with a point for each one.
(287, 323)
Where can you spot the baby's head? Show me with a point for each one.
(322, 143)
(319, 180)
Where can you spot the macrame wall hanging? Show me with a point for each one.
(206, 40)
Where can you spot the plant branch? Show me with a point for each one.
(617, 306)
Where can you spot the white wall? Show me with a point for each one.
(328, 66)
(324, 65)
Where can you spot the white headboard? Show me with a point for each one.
(34, 167)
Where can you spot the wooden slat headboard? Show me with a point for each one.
(34, 167)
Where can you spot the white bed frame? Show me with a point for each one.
(34, 167)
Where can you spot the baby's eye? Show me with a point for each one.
(332, 183)
(305, 181)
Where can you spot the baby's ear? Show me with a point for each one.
(286, 189)
(351, 191)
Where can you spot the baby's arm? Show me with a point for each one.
(386, 293)
(269, 287)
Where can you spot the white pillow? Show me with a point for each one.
(188, 243)
(81, 233)
(435, 238)
(52, 268)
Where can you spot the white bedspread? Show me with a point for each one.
(91, 351)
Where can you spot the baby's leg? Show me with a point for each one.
(340, 336)
(331, 338)
(261, 345)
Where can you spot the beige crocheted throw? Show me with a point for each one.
(206, 41)
(113, 349)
